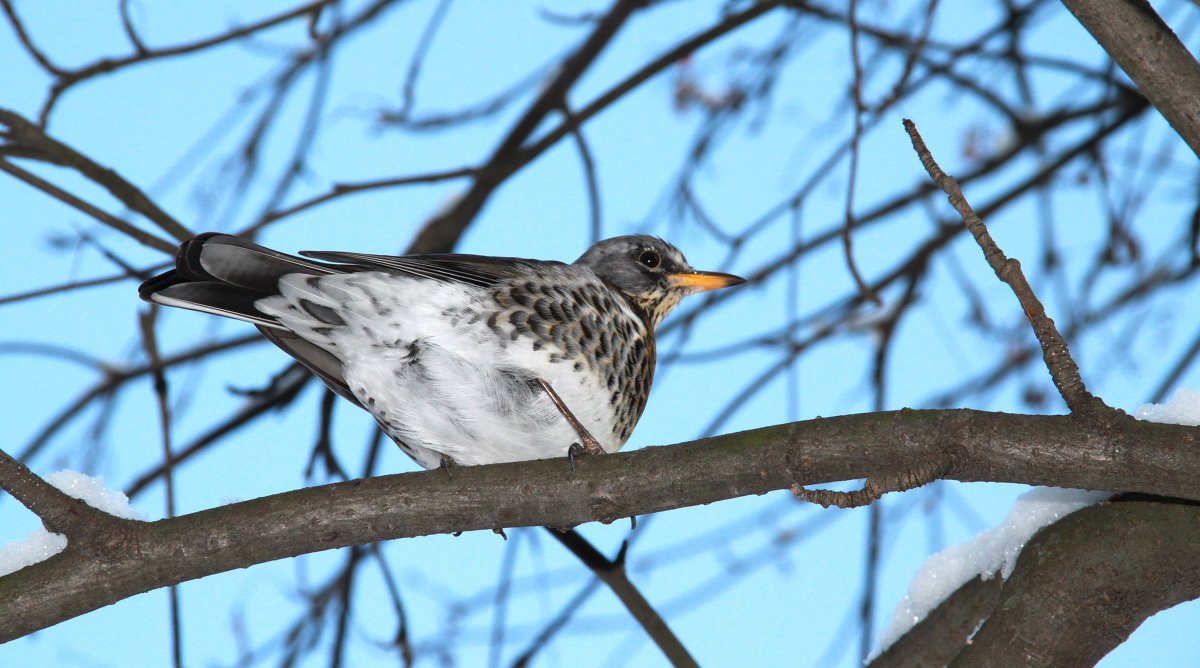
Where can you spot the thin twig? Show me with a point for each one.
(612, 573)
(342, 189)
(147, 322)
(75, 285)
(589, 176)
(115, 379)
(19, 27)
(508, 157)
(95, 212)
(1063, 369)
(68, 78)
(855, 140)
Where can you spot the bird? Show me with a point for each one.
(461, 359)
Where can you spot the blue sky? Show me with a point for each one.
(798, 568)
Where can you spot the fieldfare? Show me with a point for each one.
(462, 359)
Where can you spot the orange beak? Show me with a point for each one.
(702, 281)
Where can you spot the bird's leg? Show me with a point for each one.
(590, 445)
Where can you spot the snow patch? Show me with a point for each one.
(995, 551)
(40, 544)
(1182, 408)
(93, 492)
(992, 552)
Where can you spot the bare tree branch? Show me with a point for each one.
(1063, 369)
(1046, 450)
(1151, 54)
(1086, 582)
(25, 136)
(612, 573)
(938, 638)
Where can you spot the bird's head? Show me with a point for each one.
(652, 273)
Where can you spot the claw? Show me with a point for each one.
(574, 450)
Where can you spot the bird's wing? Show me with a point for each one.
(480, 270)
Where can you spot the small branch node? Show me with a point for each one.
(874, 488)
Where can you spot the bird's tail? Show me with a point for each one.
(225, 275)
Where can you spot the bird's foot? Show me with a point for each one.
(448, 465)
(590, 447)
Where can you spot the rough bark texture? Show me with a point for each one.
(1083, 584)
(938, 638)
(1150, 53)
(1048, 450)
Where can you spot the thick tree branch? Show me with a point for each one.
(938, 638)
(1045, 450)
(1150, 53)
(1086, 582)
(58, 512)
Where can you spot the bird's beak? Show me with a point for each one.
(702, 281)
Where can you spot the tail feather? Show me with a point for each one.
(225, 275)
(232, 260)
(215, 298)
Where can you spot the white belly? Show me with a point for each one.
(442, 385)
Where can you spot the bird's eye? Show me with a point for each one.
(650, 258)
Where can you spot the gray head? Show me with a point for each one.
(652, 273)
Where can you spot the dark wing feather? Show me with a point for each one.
(323, 364)
(480, 270)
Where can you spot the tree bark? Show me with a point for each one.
(1150, 53)
(1083, 584)
(1126, 454)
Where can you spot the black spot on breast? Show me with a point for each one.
(313, 282)
(492, 321)
(519, 320)
(605, 345)
(520, 296)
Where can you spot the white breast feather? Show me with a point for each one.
(468, 396)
